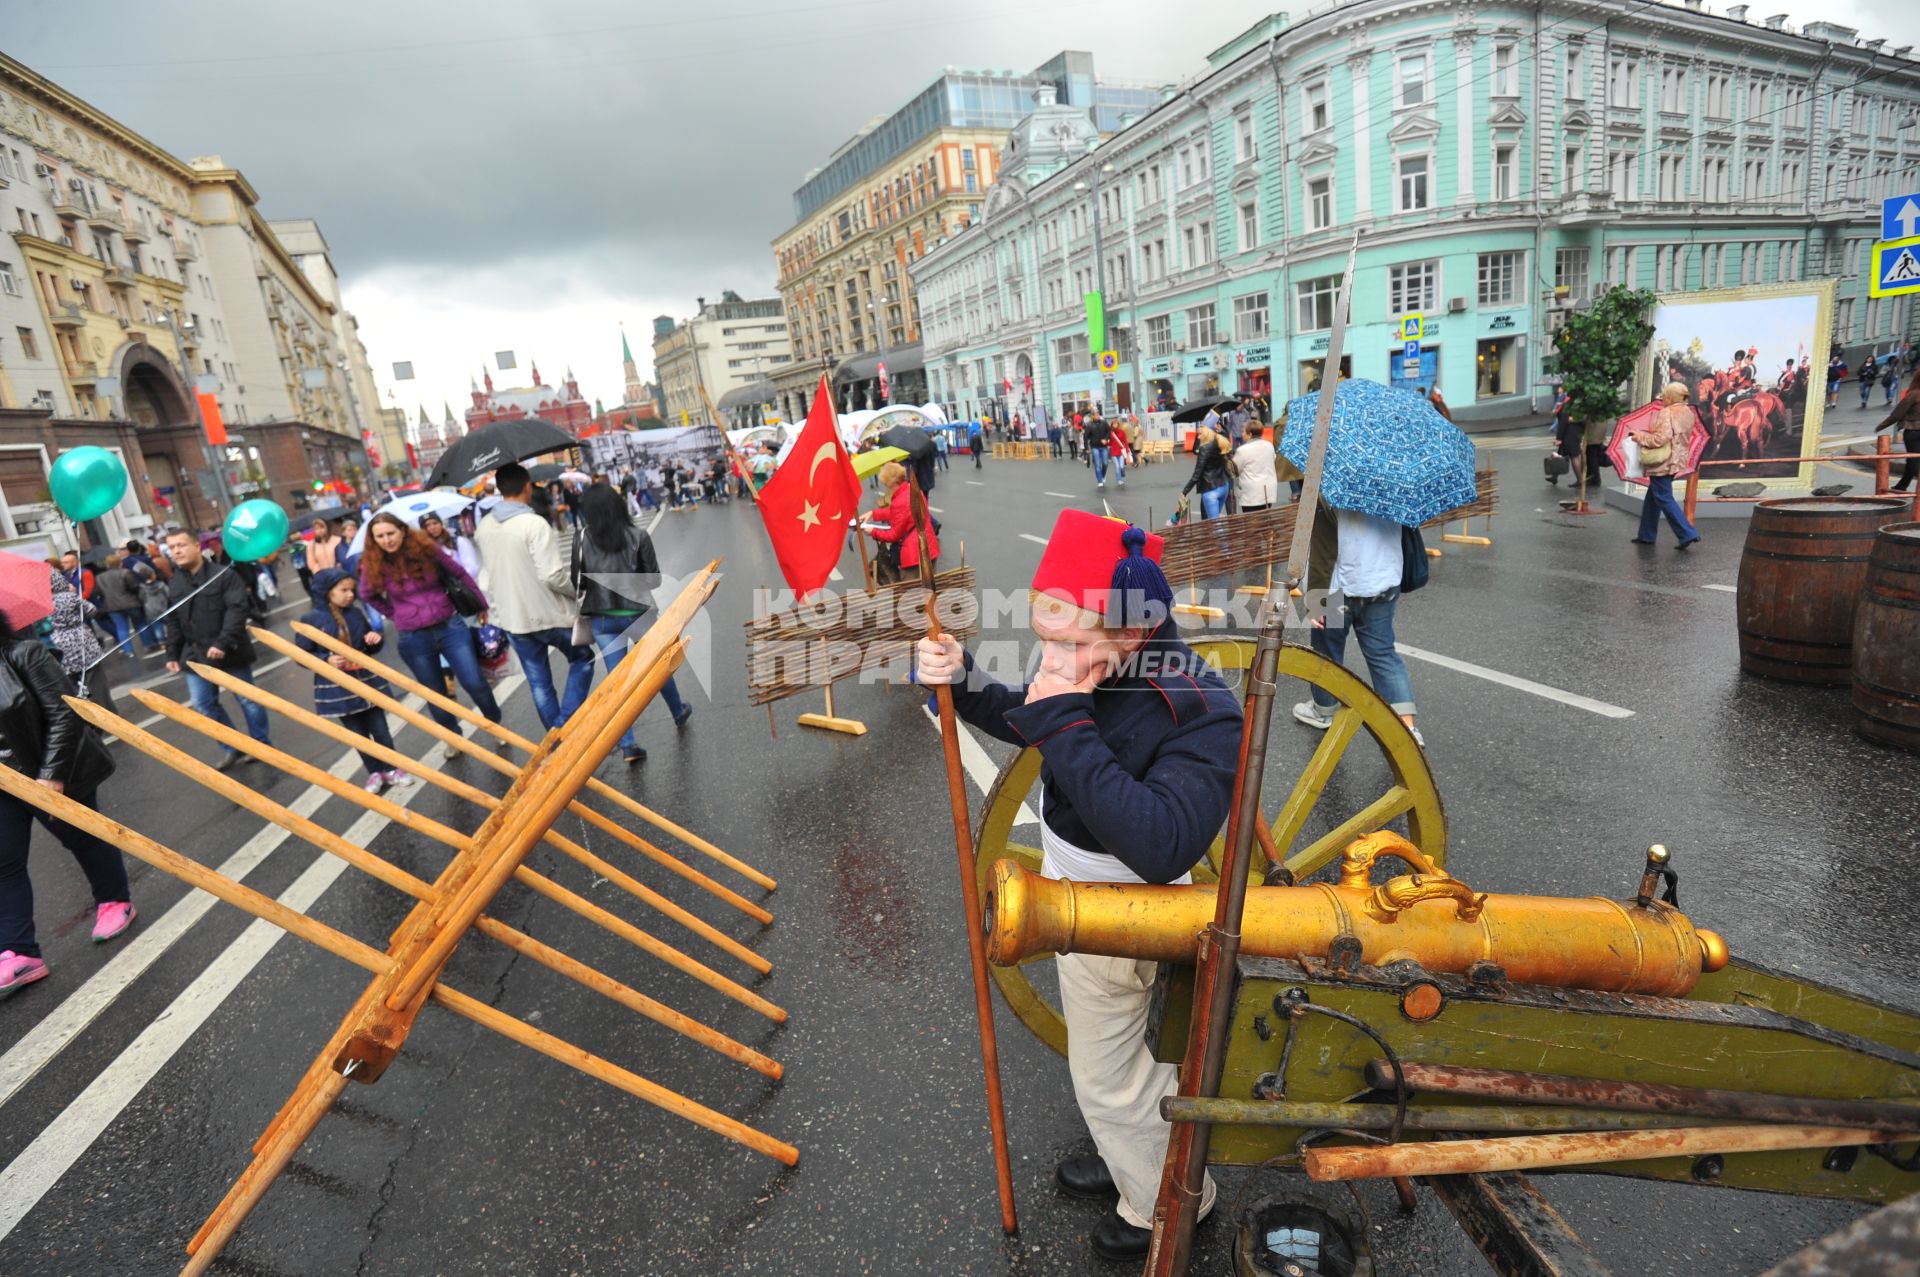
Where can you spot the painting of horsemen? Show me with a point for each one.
(1754, 363)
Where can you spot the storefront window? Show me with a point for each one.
(1496, 368)
(1310, 372)
(1162, 390)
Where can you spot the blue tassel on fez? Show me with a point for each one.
(1141, 594)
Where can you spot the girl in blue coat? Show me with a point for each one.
(337, 613)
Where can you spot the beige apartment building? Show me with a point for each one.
(728, 348)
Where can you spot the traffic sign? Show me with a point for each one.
(1410, 327)
(1900, 217)
(1109, 361)
(1896, 268)
(1412, 350)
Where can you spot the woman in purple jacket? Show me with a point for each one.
(406, 576)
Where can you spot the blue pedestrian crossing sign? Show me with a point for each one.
(1410, 327)
(1900, 217)
(1896, 268)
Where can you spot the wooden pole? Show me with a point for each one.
(969, 886)
(831, 721)
(394, 876)
(1535, 1152)
(440, 700)
(455, 740)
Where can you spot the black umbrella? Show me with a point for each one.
(1197, 409)
(493, 446)
(912, 440)
(546, 471)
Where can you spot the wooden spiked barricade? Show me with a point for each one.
(407, 975)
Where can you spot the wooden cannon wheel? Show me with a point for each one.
(1408, 793)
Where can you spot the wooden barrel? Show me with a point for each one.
(1886, 641)
(1801, 574)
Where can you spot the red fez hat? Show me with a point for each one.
(1096, 563)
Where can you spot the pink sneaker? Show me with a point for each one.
(18, 969)
(110, 919)
(397, 778)
(377, 783)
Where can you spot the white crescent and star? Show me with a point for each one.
(810, 510)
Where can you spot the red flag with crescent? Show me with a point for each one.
(811, 499)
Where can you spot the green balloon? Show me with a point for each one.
(87, 482)
(254, 530)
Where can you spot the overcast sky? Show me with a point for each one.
(518, 176)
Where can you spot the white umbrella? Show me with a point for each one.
(414, 507)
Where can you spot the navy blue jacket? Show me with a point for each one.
(1141, 768)
(330, 700)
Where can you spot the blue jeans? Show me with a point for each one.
(126, 625)
(99, 860)
(610, 633)
(1660, 501)
(1372, 623)
(206, 700)
(1099, 458)
(1120, 469)
(532, 651)
(1866, 391)
(1213, 502)
(422, 650)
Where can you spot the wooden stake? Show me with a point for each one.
(1534, 1152)
(830, 721)
(394, 876)
(440, 700)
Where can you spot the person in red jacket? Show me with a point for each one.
(895, 529)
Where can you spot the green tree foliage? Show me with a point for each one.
(1598, 349)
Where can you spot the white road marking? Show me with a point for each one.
(975, 483)
(980, 768)
(1729, 589)
(1070, 496)
(834, 575)
(1030, 537)
(30, 1175)
(658, 515)
(1574, 699)
(936, 509)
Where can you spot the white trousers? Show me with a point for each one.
(1116, 1081)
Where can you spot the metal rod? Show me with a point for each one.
(1514, 1087)
(1439, 1117)
(1533, 1152)
(440, 700)
(969, 884)
(454, 740)
(1302, 546)
(394, 876)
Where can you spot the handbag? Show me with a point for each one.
(1413, 560)
(1654, 456)
(1556, 465)
(582, 635)
(465, 599)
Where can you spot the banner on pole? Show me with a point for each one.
(210, 416)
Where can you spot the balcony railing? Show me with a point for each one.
(119, 274)
(135, 232)
(107, 218)
(66, 315)
(69, 204)
(183, 250)
(82, 370)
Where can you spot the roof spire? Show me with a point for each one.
(626, 351)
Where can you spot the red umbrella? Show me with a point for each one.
(1642, 419)
(26, 591)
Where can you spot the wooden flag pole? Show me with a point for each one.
(831, 721)
(440, 700)
(726, 445)
(454, 739)
(969, 886)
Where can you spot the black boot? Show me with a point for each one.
(1085, 1176)
(1114, 1238)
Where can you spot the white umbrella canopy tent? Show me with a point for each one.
(857, 428)
(444, 502)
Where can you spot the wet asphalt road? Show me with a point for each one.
(474, 1156)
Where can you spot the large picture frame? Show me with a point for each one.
(1754, 361)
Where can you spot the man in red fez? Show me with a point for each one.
(1138, 739)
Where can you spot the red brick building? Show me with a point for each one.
(562, 405)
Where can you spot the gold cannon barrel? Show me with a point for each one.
(1436, 921)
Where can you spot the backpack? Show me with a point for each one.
(1413, 560)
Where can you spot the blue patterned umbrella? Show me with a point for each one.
(1389, 453)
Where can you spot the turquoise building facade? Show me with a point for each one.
(1494, 163)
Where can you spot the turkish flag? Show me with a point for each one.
(811, 499)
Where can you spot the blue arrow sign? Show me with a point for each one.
(1900, 217)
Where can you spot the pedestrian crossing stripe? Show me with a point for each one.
(1896, 268)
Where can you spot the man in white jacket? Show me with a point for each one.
(530, 595)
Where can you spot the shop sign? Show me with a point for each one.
(1202, 363)
(1159, 367)
(1505, 322)
(1318, 346)
(1253, 356)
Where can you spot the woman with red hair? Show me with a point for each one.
(424, 592)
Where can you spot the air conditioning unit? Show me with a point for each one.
(1456, 305)
(1179, 345)
(76, 283)
(41, 170)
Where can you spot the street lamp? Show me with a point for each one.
(1100, 271)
